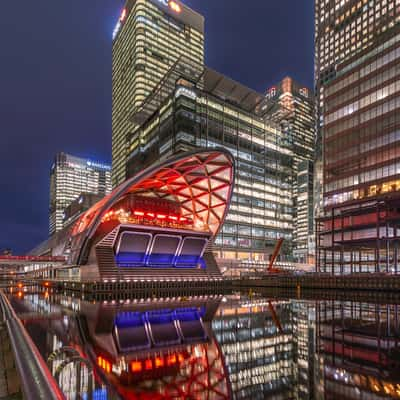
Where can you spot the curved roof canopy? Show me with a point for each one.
(201, 182)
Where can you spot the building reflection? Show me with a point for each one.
(358, 350)
(158, 349)
(258, 340)
(233, 347)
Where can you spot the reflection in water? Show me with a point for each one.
(359, 353)
(217, 348)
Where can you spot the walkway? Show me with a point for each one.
(9, 380)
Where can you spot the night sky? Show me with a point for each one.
(55, 84)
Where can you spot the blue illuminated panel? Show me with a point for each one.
(134, 250)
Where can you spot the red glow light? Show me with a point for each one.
(161, 216)
(123, 15)
(136, 366)
(148, 365)
(171, 360)
(175, 6)
(159, 362)
(104, 364)
(173, 218)
(152, 215)
(138, 213)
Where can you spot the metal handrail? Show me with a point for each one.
(37, 382)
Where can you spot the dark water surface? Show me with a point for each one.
(221, 347)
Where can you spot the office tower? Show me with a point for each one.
(362, 162)
(69, 177)
(150, 37)
(356, 61)
(343, 30)
(219, 112)
(291, 106)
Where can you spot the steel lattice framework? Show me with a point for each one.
(200, 182)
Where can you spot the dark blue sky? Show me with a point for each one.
(55, 84)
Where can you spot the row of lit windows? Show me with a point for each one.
(365, 116)
(359, 148)
(365, 101)
(243, 242)
(273, 223)
(364, 86)
(371, 191)
(247, 230)
(377, 173)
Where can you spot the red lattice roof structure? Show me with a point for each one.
(200, 182)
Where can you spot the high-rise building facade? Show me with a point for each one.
(150, 37)
(361, 147)
(343, 29)
(219, 112)
(291, 106)
(69, 177)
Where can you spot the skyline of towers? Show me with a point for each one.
(138, 143)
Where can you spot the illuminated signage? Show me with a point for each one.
(271, 93)
(186, 92)
(175, 6)
(97, 165)
(304, 92)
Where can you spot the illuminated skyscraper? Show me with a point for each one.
(343, 29)
(358, 56)
(69, 177)
(219, 112)
(291, 106)
(150, 37)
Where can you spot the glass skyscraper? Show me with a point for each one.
(150, 37)
(71, 176)
(357, 59)
(291, 106)
(212, 113)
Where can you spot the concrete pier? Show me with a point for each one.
(362, 282)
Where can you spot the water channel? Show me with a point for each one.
(217, 347)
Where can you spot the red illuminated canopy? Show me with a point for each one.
(200, 183)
